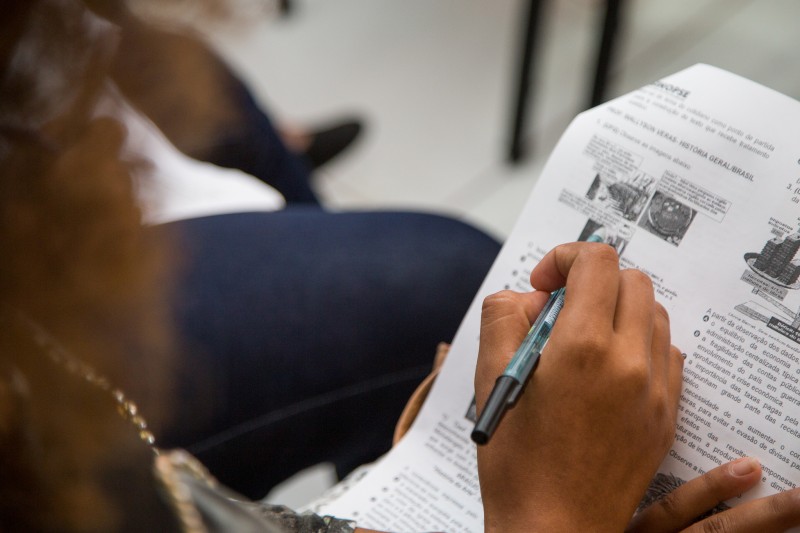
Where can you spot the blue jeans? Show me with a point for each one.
(255, 147)
(306, 331)
(303, 332)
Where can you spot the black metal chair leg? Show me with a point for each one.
(516, 148)
(605, 54)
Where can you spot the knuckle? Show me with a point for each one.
(676, 354)
(603, 252)
(632, 275)
(776, 505)
(783, 504)
(497, 298)
(499, 303)
(719, 523)
(662, 313)
(591, 342)
(634, 372)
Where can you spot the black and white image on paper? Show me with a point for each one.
(772, 273)
(625, 196)
(667, 218)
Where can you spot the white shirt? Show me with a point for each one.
(174, 186)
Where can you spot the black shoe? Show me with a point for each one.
(329, 142)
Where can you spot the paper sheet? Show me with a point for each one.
(696, 180)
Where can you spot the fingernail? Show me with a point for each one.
(744, 466)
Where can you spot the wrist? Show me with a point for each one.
(551, 519)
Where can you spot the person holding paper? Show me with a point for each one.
(85, 372)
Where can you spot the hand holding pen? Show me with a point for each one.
(599, 412)
(511, 383)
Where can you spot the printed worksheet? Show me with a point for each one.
(695, 179)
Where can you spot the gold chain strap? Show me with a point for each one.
(127, 409)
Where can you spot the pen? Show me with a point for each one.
(512, 381)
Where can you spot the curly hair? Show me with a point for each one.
(76, 260)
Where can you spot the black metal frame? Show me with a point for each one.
(605, 53)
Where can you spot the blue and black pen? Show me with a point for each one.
(511, 383)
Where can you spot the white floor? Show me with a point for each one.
(432, 79)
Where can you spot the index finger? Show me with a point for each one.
(590, 272)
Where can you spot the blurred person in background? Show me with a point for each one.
(287, 316)
(175, 78)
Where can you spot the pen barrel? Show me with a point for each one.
(527, 354)
(505, 388)
(530, 365)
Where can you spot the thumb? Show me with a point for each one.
(683, 505)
